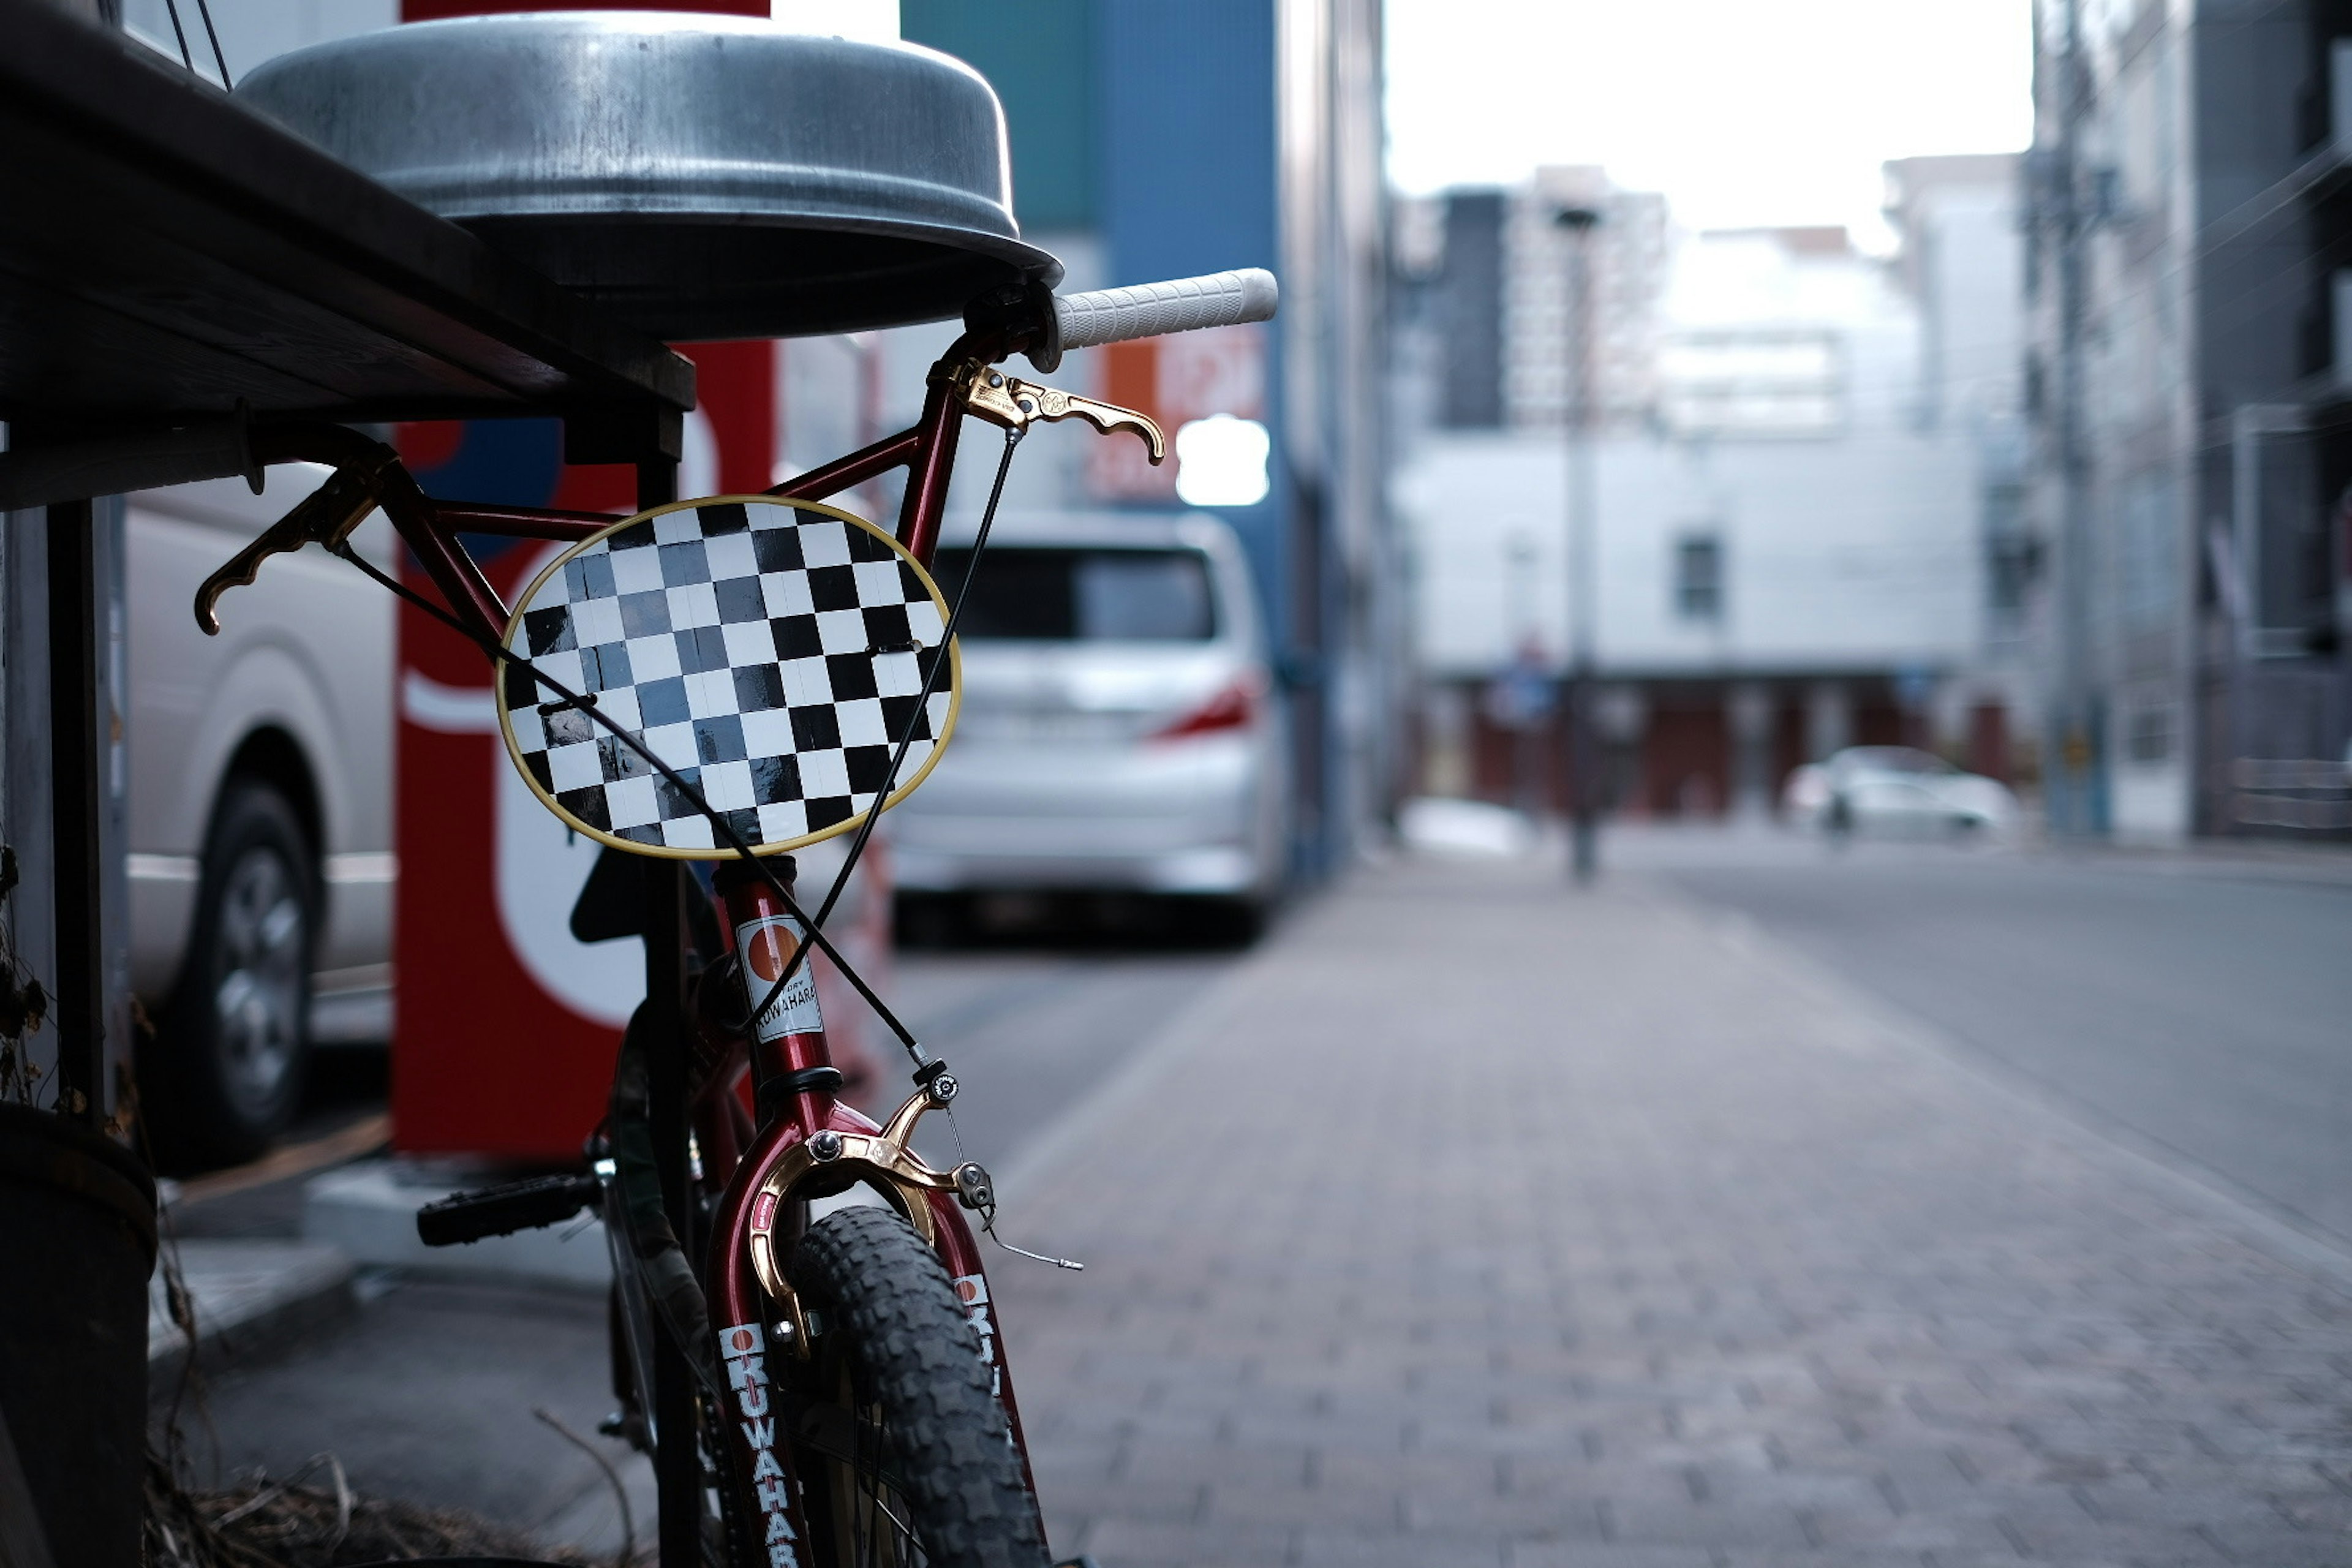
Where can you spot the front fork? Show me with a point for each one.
(808, 1143)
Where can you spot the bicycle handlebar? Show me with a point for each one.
(1179, 305)
(369, 474)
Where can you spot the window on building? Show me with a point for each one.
(1698, 577)
(1775, 382)
(2148, 731)
(2012, 555)
(2285, 535)
(2012, 562)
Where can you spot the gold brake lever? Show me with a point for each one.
(328, 515)
(1013, 403)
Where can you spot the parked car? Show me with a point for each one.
(1119, 729)
(260, 855)
(1895, 791)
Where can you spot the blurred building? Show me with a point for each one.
(1147, 143)
(1959, 255)
(1499, 300)
(1804, 457)
(1157, 142)
(2189, 290)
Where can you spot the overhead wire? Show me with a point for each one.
(204, 11)
(172, 8)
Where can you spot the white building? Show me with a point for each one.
(1493, 301)
(1629, 275)
(1790, 551)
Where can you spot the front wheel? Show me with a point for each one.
(903, 1448)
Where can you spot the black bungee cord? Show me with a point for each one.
(570, 698)
(929, 1071)
(914, 720)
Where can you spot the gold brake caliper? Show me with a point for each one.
(1014, 404)
(881, 1158)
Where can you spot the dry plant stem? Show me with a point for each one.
(282, 1524)
(620, 1494)
(23, 1006)
(179, 1306)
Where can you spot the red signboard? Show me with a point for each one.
(506, 1027)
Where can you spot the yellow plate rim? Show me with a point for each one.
(664, 852)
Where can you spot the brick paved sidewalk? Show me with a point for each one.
(1471, 1222)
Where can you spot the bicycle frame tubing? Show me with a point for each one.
(927, 449)
(741, 1305)
(757, 1207)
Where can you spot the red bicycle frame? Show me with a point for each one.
(810, 1137)
(430, 528)
(796, 1136)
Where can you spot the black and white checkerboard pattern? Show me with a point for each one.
(771, 654)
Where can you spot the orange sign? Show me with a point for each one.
(769, 949)
(1176, 380)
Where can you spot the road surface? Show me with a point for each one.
(2202, 1003)
(429, 1392)
(2190, 1008)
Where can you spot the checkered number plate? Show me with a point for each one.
(771, 652)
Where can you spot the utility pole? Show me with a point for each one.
(2074, 744)
(1584, 849)
(1524, 695)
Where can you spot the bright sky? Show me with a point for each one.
(1742, 111)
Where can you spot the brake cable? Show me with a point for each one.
(815, 926)
(914, 722)
(500, 655)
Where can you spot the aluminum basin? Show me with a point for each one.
(701, 176)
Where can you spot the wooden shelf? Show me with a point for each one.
(167, 254)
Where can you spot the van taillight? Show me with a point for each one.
(1232, 708)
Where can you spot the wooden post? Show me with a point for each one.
(76, 809)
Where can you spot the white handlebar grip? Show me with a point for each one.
(1179, 305)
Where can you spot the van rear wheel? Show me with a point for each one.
(226, 1076)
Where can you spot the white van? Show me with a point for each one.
(260, 814)
(1119, 727)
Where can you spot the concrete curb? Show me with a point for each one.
(367, 1211)
(250, 1299)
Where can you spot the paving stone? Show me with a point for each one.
(1137, 1544)
(1333, 1549)
(1472, 1220)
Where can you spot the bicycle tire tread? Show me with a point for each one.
(906, 1336)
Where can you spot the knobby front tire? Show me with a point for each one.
(903, 1449)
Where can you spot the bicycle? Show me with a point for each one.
(796, 1288)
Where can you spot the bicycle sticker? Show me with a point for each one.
(767, 945)
(971, 1289)
(742, 1348)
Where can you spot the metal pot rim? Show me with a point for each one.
(545, 130)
